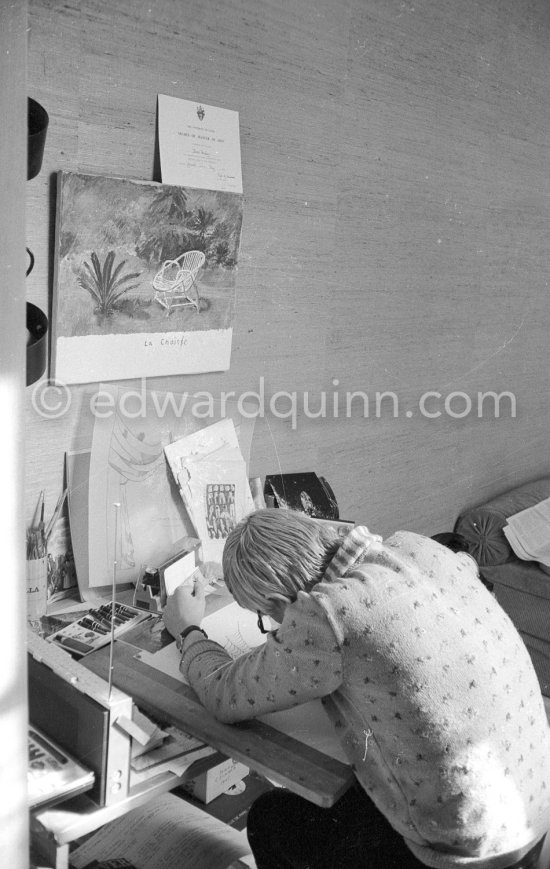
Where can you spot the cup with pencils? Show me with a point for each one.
(37, 564)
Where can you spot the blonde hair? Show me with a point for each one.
(276, 553)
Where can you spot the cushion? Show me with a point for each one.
(482, 526)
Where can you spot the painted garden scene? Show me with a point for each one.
(143, 258)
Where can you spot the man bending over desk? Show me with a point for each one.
(427, 683)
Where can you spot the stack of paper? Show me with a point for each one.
(167, 833)
(528, 533)
(210, 471)
(178, 752)
(146, 735)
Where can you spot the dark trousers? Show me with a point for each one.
(288, 832)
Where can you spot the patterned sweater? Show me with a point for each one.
(428, 685)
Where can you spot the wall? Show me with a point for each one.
(395, 164)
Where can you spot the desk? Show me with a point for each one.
(54, 829)
(304, 770)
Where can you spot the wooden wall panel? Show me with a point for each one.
(395, 165)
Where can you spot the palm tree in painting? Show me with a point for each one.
(105, 284)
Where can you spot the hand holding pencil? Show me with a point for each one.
(185, 606)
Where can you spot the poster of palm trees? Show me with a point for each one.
(144, 278)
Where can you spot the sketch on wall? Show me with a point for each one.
(145, 278)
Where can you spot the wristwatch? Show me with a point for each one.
(181, 636)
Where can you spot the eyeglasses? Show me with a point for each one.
(260, 623)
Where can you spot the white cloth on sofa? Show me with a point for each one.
(528, 533)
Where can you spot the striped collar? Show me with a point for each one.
(352, 551)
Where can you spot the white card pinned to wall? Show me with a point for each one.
(199, 145)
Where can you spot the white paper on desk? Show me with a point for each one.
(237, 631)
(166, 833)
(176, 765)
(166, 660)
(177, 743)
(231, 626)
(234, 628)
(199, 145)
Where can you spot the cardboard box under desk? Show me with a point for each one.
(233, 805)
(215, 781)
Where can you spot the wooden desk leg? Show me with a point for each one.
(57, 856)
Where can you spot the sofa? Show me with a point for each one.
(521, 587)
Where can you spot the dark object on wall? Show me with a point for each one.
(306, 493)
(31, 262)
(37, 126)
(37, 343)
(37, 322)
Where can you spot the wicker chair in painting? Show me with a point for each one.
(174, 283)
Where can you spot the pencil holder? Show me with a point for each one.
(37, 587)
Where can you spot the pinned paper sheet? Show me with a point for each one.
(199, 145)
(210, 471)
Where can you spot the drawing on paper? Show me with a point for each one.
(134, 461)
(236, 645)
(235, 629)
(135, 478)
(127, 466)
(210, 472)
(220, 509)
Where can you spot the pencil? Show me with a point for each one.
(56, 514)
